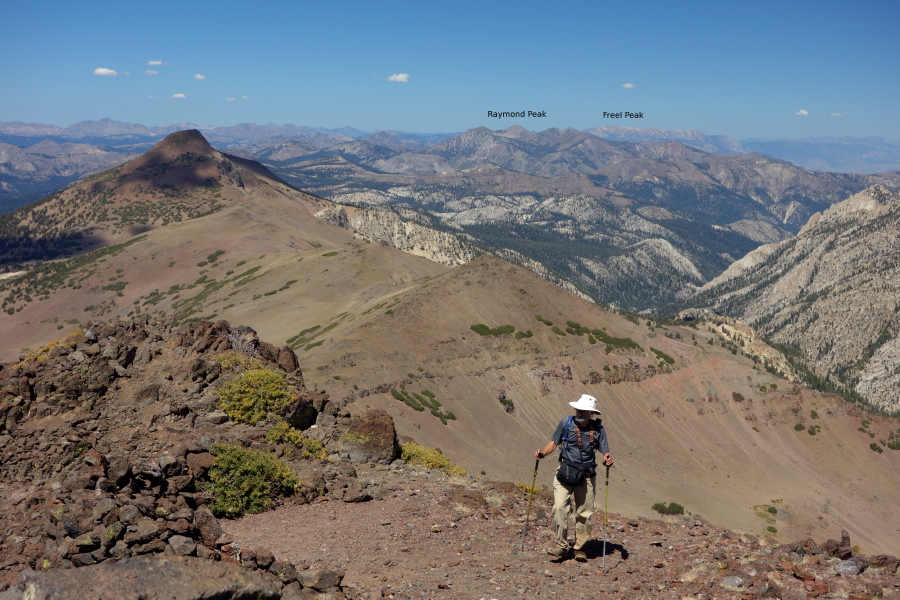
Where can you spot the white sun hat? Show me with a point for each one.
(586, 402)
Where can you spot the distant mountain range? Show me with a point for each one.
(843, 154)
(596, 211)
(715, 144)
(636, 225)
(26, 174)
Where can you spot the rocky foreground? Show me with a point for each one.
(105, 441)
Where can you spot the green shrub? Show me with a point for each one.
(663, 355)
(235, 362)
(249, 397)
(673, 508)
(772, 510)
(875, 447)
(738, 397)
(558, 331)
(813, 414)
(42, 353)
(244, 480)
(613, 342)
(413, 453)
(283, 432)
(771, 529)
(799, 427)
(482, 329)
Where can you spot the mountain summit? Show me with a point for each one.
(181, 177)
(180, 142)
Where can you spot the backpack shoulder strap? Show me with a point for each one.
(569, 422)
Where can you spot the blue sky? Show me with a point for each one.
(743, 69)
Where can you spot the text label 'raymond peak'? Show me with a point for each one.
(517, 115)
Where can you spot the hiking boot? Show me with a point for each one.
(558, 553)
(580, 556)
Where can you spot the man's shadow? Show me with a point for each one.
(594, 549)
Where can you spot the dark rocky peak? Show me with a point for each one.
(178, 144)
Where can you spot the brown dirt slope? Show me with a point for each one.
(699, 431)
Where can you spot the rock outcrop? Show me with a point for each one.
(800, 292)
(397, 227)
(106, 438)
(151, 578)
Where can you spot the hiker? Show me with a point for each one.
(580, 437)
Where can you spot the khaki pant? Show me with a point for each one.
(583, 494)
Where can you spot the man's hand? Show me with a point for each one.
(607, 459)
(550, 447)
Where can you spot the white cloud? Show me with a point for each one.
(229, 99)
(103, 72)
(802, 112)
(154, 63)
(151, 72)
(199, 76)
(245, 97)
(628, 86)
(179, 96)
(838, 114)
(399, 78)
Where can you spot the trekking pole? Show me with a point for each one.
(530, 496)
(605, 519)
